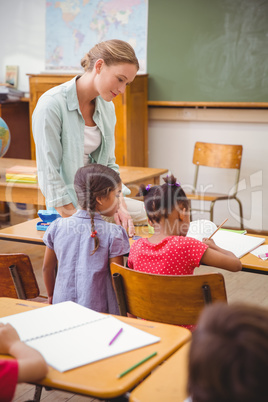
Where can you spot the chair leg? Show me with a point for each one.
(37, 394)
(190, 206)
(241, 213)
(212, 210)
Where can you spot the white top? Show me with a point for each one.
(92, 140)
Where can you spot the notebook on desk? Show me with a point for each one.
(237, 243)
(69, 335)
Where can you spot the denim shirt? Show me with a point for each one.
(58, 130)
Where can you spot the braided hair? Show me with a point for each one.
(161, 200)
(90, 182)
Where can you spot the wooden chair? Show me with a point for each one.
(170, 299)
(216, 156)
(17, 280)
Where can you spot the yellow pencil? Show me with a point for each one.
(218, 228)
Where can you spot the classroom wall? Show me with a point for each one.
(171, 145)
(22, 38)
(171, 141)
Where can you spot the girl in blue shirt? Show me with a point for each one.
(84, 244)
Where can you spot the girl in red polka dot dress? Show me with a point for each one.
(169, 251)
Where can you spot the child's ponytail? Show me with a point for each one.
(161, 200)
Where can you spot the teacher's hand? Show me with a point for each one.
(122, 217)
(125, 220)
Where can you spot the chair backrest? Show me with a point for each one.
(170, 299)
(17, 278)
(223, 156)
(217, 155)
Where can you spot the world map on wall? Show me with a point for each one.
(73, 27)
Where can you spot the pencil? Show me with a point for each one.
(116, 335)
(218, 228)
(136, 365)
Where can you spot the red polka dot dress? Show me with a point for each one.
(174, 255)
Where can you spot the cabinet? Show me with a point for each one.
(131, 131)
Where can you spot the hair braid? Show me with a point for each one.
(91, 209)
(90, 182)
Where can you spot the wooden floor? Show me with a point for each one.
(240, 286)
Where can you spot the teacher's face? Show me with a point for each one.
(112, 81)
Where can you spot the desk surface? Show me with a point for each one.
(31, 194)
(168, 382)
(26, 232)
(99, 379)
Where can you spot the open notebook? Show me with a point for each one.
(238, 244)
(69, 335)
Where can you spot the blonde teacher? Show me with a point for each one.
(73, 125)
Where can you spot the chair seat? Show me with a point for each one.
(209, 196)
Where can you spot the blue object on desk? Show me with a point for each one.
(47, 216)
(136, 237)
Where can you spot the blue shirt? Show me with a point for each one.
(58, 130)
(82, 277)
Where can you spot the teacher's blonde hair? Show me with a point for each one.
(113, 51)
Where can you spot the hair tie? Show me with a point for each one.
(148, 187)
(93, 234)
(174, 184)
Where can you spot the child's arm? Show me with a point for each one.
(213, 246)
(32, 365)
(220, 258)
(49, 272)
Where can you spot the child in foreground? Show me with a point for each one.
(169, 251)
(228, 360)
(84, 244)
(28, 365)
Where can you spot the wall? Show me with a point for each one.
(171, 140)
(22, 38)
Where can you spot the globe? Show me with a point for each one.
(4, 137)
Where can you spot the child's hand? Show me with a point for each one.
(8, 337)
(210, 243)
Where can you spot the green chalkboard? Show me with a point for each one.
(208, 50)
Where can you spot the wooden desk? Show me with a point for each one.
(31, 194)
(168, 382)
(99, 379)
(26, 233)
(251, 263)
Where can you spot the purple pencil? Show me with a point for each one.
(116, 335)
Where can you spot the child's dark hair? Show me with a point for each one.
(161, 200)
(90, 182)
(228, 360)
